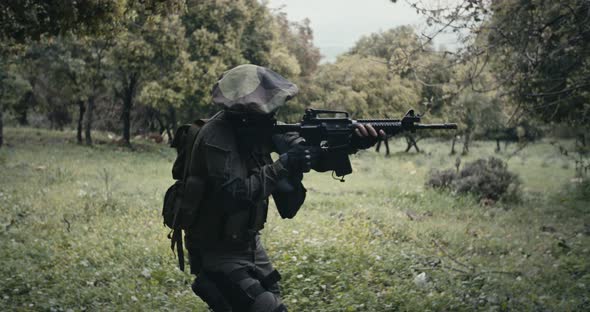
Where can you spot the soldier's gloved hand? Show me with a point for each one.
(366, 136)
(284, 141)
(299, 158)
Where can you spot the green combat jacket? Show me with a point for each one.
(237, 186)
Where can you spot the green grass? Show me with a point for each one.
(80, 229)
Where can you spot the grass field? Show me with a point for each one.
(80, 230)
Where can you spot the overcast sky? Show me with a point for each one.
(338, 24)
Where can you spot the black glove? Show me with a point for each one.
(284, 141)
(357, 142)
(299, 158)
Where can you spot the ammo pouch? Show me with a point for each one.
(181, 203)
(181, 211)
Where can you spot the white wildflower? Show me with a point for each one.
(146, 273)
(421, 280)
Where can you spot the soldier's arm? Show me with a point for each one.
(290, 194)
(226, 171)
(289, 199)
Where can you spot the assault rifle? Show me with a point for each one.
(335, 135)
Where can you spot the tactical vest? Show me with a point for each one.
(225, 222)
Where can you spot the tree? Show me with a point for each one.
(33, 19)
(471, 110)
(21, 21)
(93, 22)
(361, 86)
(408, 56)
(538, 50)
(297, 39)
(222, 35)
(70, 71)
(12, 88)
(131, 59)
(95, 59)
(542, 50)
(295, 57)
(173, 75)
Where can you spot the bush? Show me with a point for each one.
(487, 179)
(441, 178)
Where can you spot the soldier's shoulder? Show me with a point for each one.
(218, 133)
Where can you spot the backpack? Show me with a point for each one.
(181, 202)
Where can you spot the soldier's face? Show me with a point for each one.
(250, 120)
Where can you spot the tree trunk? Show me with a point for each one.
(1, 128)
(172, 124)
(23, 110)
(127, 120)
(453, 152)
(88, 120)
(173, 120)
(466, 143)
(23, 117)
(169, 134)
(162, 126)
(82, 109)
(581, 139)
(127, 104)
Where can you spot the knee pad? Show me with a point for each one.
(267, 302)
(245, 292)
(206, 289)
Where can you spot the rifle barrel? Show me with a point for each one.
(392, 126)
(436, 126)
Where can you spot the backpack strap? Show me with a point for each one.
(191, 137)
(176, 237)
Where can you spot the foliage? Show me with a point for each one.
(12, 86)
(536, 50)
(221, 35)
(542, 56)
(362, 87)
(31, 19)
(159, 56)
(477, 112)
(487, 179)
(410, 57)
(297, 39)
(170, 78)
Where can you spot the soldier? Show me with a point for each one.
(232, 157)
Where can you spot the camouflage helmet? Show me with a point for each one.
(252, 89)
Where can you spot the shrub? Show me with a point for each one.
(441, 179)
(485, 178)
